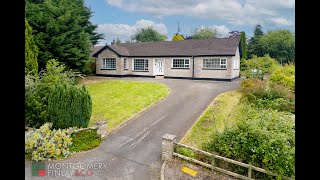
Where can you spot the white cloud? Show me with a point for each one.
(238, 12)
(282, 21)
(125, 31)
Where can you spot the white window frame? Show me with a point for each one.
(184, 63)
(125, 64)
(220, 64)
(104, 63)
(144, 63)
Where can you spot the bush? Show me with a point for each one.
(37, 90)
(69, 106)
(46, 144)
(267, 95)
(85, 140)
(266, 138)
(284, 76)
(258, 66)
(250, 82)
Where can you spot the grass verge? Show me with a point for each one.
(117, 101)
(85, 140)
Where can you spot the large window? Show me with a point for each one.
(180, 63)
(215, 63)
(109, 63)
(125, 63)
(140, 64)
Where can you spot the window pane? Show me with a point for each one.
(109, 63)
(223, 61)
(140, 64)
(180, 63)
(125, 63)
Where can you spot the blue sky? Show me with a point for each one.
(122, 18)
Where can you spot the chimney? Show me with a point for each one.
(113, 42)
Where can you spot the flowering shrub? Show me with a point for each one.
(46, 144)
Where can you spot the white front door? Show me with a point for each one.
(158, 67)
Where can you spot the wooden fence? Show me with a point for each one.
(212, 165)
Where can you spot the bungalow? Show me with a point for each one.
(213, 58)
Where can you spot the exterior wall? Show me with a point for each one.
(177, 72)
(212, 73)
(107, 53)
(236, 71)
(143, 73)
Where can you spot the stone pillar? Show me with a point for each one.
(102, 128)
(167, 146)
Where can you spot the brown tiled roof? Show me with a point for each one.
(95, 49)
(192, 47)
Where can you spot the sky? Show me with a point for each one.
(122, 18)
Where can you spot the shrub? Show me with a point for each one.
(258, 66)
(37, 90)
(266, 138)
(284, 76)
(46, 144)
(69, 106)
(85, 140)
(250, 82)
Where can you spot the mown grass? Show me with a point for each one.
(218, 115)
(117, 101)
(85, 140)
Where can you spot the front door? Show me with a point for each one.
(158, 67)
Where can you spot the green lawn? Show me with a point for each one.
(218, 115)
(117, 101)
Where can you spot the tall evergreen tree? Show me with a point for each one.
(31, 50)
(243, 45)
(62, 31)
(254, 47)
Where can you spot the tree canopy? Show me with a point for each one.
(279, 44)
(148, 34)
(254, 47)
(204, 33)
(31, 50)
(243, 45)
(62, 31)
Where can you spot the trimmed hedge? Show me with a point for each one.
(69, 106)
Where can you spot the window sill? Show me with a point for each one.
(180, 68)
(108, 69)
(213, 69)
(139, 71)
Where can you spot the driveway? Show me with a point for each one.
(134, 151)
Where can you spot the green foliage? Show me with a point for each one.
(249, 82)
(243, 45)
(90, 67)
(69, 106)
(37, 90)
(265, 64)
(85, 140)
(46, 144)
(279, 44)
(148, 34)
(254, 46)
(285, 76)
(62, 31)
(204, 33)
(268, 95)
(31, 50)
(118, 41)
(266, 138)
(177, 37)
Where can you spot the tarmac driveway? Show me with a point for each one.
(134, 150)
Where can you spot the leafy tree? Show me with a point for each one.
(279, 44)
(177, 37)
(148, 34)
(254, 46)
(62, 31)
(243, 45)
(118, 41)
(31, 50)
(204, 33)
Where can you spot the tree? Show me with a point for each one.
(62, 31)
(254, 47)
(149, 34)
(279, 44)
(31, 51)
(204, 33)
(118, 41)
(177, 37)
(243, 45)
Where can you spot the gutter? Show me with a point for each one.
(192, 67)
